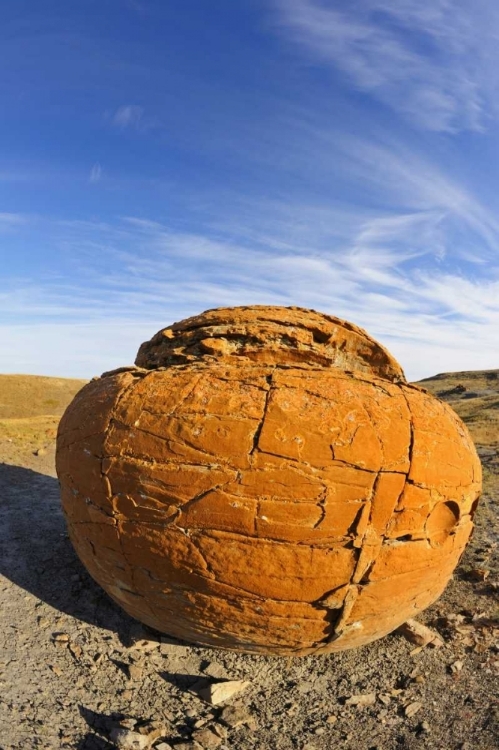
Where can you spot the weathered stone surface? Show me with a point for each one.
(267, 481)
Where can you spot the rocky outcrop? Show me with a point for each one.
(266, 480)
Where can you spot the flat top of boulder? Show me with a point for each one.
(271, 335)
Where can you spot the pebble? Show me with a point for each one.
(331, 719)
(207, 739)
(134, 672)
(412, 708)
(61, 638)
(367, 699)
(235, 716)
(215, 670)
(75, 650)
(218, 692)
(126, 739)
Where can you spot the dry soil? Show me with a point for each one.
(73, 665)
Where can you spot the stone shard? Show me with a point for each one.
(420, 634)
(219, 692)
(266, 480)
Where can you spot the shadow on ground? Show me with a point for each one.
(37, 555)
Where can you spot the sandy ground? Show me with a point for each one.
(73, 665)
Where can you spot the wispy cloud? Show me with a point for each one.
(436, 62)
(146, 275)
(128, 115)
(8, 220)
(95, 173)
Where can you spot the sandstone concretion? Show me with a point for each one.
(266, 480)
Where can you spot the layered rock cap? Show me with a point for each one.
(266, 480)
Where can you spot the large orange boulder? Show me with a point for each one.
(266, 480)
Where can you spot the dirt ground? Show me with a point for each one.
(73, 665)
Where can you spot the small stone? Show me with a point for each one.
(56, 670)
(75, 650)
(126, 739)
(419, 634)
(144, 645)
(153, 730)
(207, 739)
(43, 622)
(168, 648)
(456, 666)
(424, 727)
(163, 746)
(331, 719)
(218, 692)
(128, 723)
(479, 574)
(235, 716)
(218, 729)
(368, 699)
(61, 638)
(412, 708)
(40, 452)
(134, 672)
(215, 670)
(319, 731)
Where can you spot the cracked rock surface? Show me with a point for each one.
(266, 480)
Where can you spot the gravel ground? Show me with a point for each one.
(76, 672)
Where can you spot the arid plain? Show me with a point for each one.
(73, 666)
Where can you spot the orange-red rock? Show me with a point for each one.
(266, 480)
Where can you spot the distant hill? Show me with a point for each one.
(23, 396)
(474, 395)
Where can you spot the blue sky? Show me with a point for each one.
(158, 159)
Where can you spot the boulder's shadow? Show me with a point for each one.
(37, 555)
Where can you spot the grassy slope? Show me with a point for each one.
(475, 397)
(26, 396)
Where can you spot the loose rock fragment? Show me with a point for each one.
(131, 735)
(218, 692)
(207, 739)
(134, 672)
(479, 574)
(75, 650)
(412, 708)
(215, 670)
(367, 699)
(235, 716)
(126, 739)
(420, 634)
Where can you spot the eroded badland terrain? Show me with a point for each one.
(76, 672)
